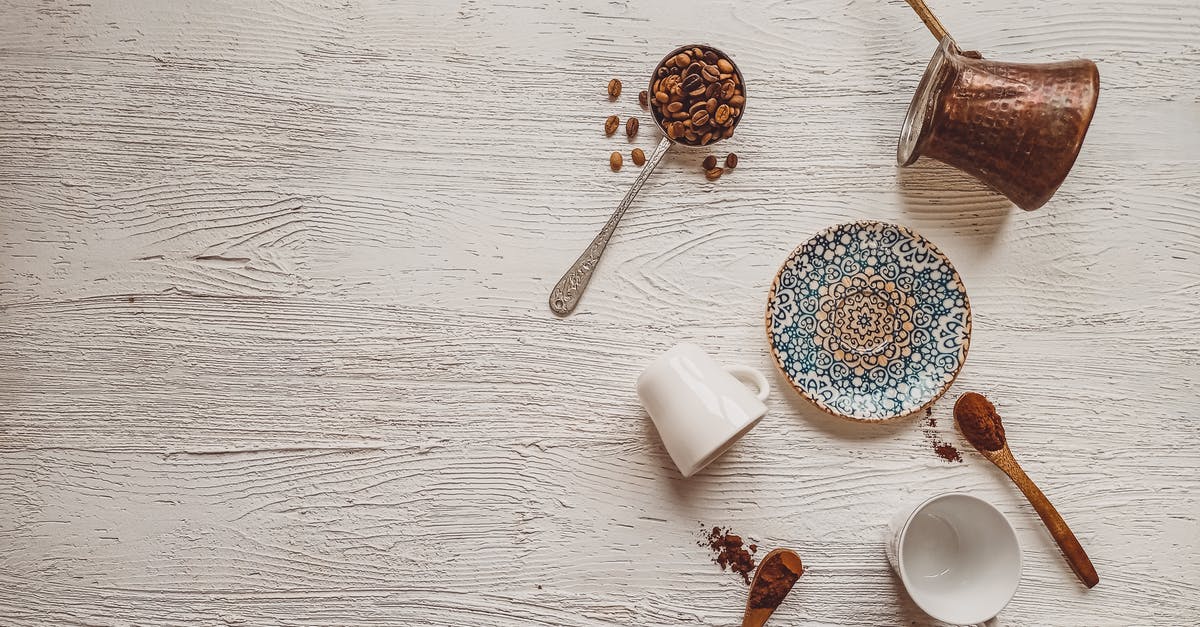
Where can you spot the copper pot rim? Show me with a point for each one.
(913, 132)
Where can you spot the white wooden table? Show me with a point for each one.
(275, 349)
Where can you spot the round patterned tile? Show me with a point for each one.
(869, 321)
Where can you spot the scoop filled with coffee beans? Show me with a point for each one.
(697, 96)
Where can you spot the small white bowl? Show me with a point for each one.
(957, 556)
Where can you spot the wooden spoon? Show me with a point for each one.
(776, 574)
(979, 422)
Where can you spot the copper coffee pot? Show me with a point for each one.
(1017, 127)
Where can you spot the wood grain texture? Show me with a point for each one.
(274, 344)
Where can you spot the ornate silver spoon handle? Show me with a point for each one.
(569, 288)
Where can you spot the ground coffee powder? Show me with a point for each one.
(728, 549)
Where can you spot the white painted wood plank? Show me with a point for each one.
(274, 346)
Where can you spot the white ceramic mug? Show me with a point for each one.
(700, 408)
(957, 556)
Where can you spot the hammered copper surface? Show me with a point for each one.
(1016, 126)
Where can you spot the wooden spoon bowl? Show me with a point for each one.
(777, 573)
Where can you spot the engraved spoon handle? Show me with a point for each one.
(565, 295)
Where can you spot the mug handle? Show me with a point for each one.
(747, 374)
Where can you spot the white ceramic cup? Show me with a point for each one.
(700, 408)
(957, 556)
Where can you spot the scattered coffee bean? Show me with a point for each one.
(614, 88)
(731, 160)
(611, 124)
(614, 161)
(710, 162)
(631, 127)
(698, 97)
(639, 157)
(644, 98)
(713, 174)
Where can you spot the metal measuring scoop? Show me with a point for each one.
(566, 293)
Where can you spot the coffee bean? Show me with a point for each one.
(710, 162)
(699, 118)
(710, 57)
(706, 138)
(711, 106)
(674, 130)
(712, 174)
(611, 124)
(728, 89)
(697, 53)
(661, 97)
(691, 82)
(694, 68)
(614, 88)
(691, 136)
(644, 98)
(722, 115)
(675, 107)
(631, 127)
(731, 160)
(639, 157)
(662, 71)
(614, 161)
(712, 90)
(682, 60)
(727, 132)
(711, 74)
(725, 66)
(737, 101)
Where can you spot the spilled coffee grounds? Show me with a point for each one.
(944, 449)
(728, 549)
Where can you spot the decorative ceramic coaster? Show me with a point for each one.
(869, 321)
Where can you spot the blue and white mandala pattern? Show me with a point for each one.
(869, 321)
